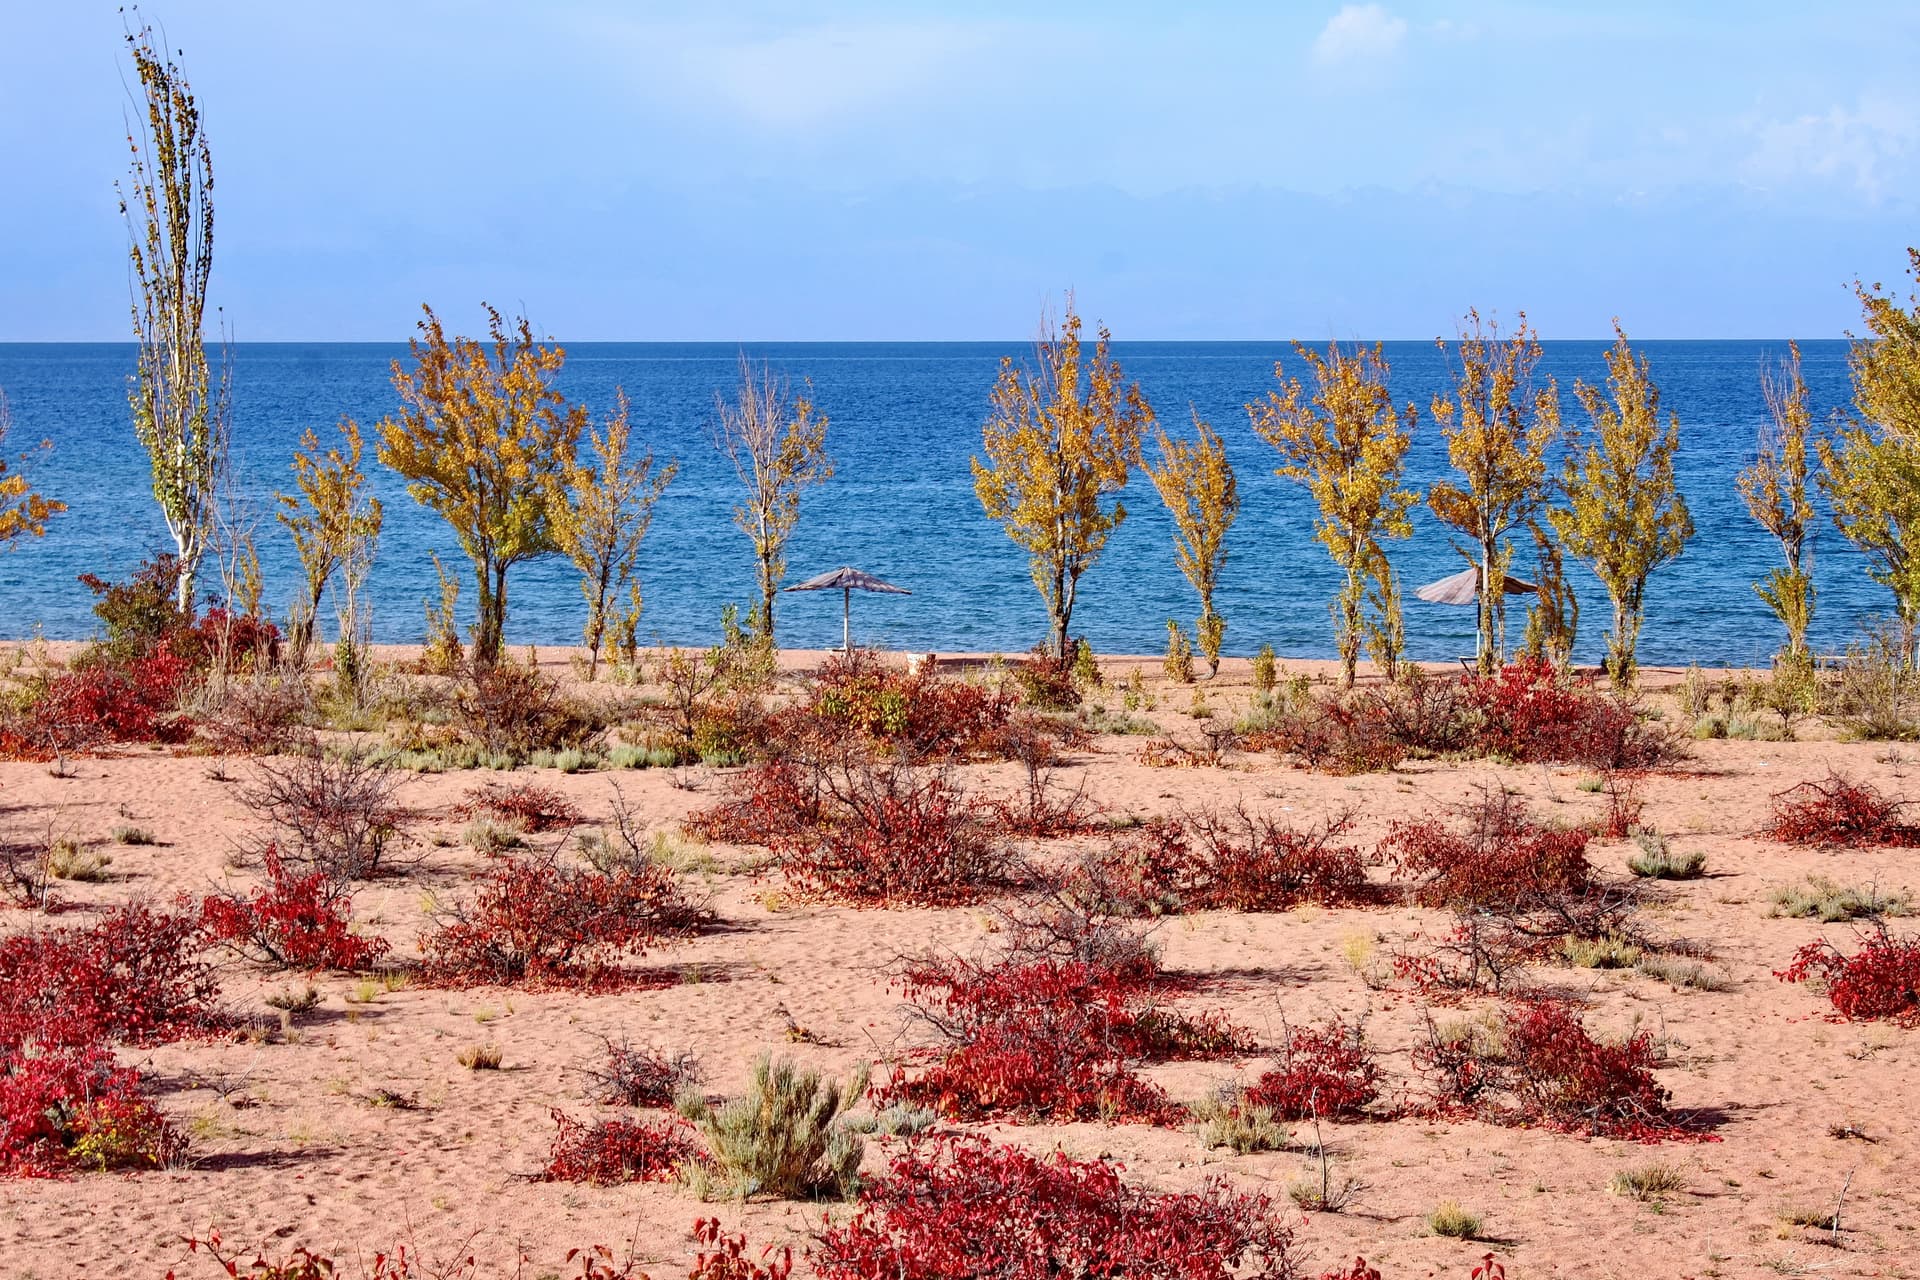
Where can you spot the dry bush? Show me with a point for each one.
(1837, 812)
(334, 812)
(260, 713)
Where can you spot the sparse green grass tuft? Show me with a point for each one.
(1648, 1183)
(1822, 899)
(1655, 861)
(1230, 1122)
(1450, 1220)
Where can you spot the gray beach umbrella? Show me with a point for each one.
(1464, 588)
(846, 581)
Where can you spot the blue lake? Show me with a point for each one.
(905, 419)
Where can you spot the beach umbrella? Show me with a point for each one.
(846, 581)
(1464, 588)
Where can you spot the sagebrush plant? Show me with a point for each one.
(1228, 1120)
(1650, 1183)
(959, 1207)
(786, 1136)
(1830, 902)
(1881, 980)
(1653, 859)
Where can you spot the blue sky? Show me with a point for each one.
(892, 170)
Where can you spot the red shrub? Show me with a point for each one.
(529, 805)
(137, 975)
(1502, 858)
(890, 835)
(1838, 812)
(96, 705)
(724, 1257)
(1531, 712)
(1232, 861)
(294, 921)
(72, 1107)
(1342, 736)
(614, 1151)
(534, 920)
(959, 1207)
(767, 801)
(1046, 682)
(1245, 863)
(919, 714)
(1324, 1071)
(1881, 980)
(1050, 1039)
(1541, 1067)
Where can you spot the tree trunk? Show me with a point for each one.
(490, 613)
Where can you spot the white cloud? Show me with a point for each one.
(805, 78)
(1359, 33)
(1872, 145)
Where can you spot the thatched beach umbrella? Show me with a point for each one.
(1464, 588)
(847, 581)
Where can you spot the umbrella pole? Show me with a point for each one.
(846, 620)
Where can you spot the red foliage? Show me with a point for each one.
(137, 975)
(1342, 736)
(1231, 861)
(891, 836)
(610, 1152)
(66, 1107)
(767, 801)
(294, 921)
(1358, 1271)
(64, 1103)
(1837, 812)
(1880, 980)
(1543, 1068)
(958, 1207)
(1503, 858)
(1051, 1039)
(919, 714)
(1324, 1071)
(1529, 711)
(531, 806)
(1046, 681)
(95, 705)
(724, 1257)
(536, 921)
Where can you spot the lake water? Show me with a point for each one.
(905, 419)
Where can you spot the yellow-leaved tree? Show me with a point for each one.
(1774, 488)
(1197, 484)
(1625, 515)
(1870, 468)
(1500, 426)
(602, 510)
(778, 447)
(333, 523)
(1061, 438)
(23, 512)
(1347, 444)
(480, 438)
